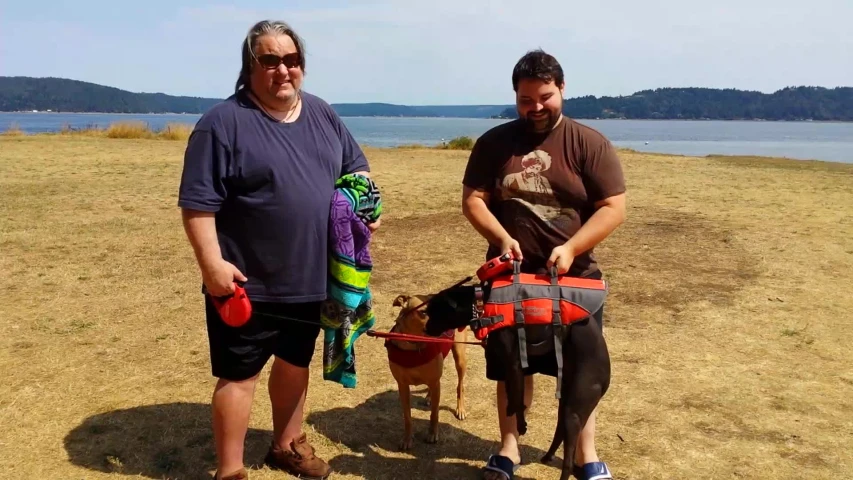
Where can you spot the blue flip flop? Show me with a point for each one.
(592, 471)
(502, 465)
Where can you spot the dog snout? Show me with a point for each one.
(432, 330)
(436, 326)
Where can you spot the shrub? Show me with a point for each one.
(176, 131)
(129, 130)
(136, 129)
(14, 130)
(90, 130)
(460, 143)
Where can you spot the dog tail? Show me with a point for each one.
(559, 435)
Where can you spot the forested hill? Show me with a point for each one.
(391, 110)
(796, 103)
(63, 95)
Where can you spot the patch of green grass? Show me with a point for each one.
(460, 143)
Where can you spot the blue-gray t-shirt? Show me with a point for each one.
(271, 187)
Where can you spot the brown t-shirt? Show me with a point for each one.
(543, 187)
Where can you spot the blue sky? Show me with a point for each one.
(441, 52)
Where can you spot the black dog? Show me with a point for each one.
(585, 364)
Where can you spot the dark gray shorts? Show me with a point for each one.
(240, 353)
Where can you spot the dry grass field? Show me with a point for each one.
(729, 323)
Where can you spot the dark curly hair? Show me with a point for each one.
(539, 65)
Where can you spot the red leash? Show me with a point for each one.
(373, 333)
(414, 338)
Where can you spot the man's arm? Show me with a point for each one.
(475, 207)
(609, 214)
(217, 274)
(353, 160)
(201, 193)
(605, 182)
(200, 228)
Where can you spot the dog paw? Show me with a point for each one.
(406, 444)
(432, 438)
(460, 413)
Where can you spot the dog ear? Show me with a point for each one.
(401, 300)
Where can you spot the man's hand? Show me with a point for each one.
(609, 214)
(510, 245)
(562, 257)
(219, 278)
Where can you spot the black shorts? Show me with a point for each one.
(543, 364)
(241, 353)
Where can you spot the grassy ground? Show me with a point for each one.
(729, 322)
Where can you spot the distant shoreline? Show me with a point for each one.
(44, 112)
(789, 104)
(181, 132)
(449, 117)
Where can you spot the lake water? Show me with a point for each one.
(799, 140)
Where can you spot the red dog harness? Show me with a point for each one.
(519, 299)
(422, 356)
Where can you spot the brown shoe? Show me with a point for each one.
(300, 461)
(241, 474)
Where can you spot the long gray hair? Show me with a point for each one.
(265, 27)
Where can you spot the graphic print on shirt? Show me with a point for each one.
(531, 178)
(530, 187)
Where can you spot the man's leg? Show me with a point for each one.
(288, 387)
(585, 451)
(231, 407)
(237, 357)
(288, 383)
(508, 426)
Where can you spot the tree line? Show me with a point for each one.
(792, 103)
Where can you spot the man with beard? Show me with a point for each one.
(547, 189)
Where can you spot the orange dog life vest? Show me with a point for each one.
(520, 299)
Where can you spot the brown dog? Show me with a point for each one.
(420, 363)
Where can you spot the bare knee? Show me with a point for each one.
(282, 364)
(528, 393)
(247, 385)
(287, 370)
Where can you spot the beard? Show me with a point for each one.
(545, 123)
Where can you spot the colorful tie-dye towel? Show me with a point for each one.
(348, 311)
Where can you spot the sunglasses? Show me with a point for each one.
(270, 61)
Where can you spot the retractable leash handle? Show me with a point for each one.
(235, 309)
(495, 267)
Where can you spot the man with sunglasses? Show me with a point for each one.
(258, 178)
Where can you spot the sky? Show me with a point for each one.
(437, 52)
